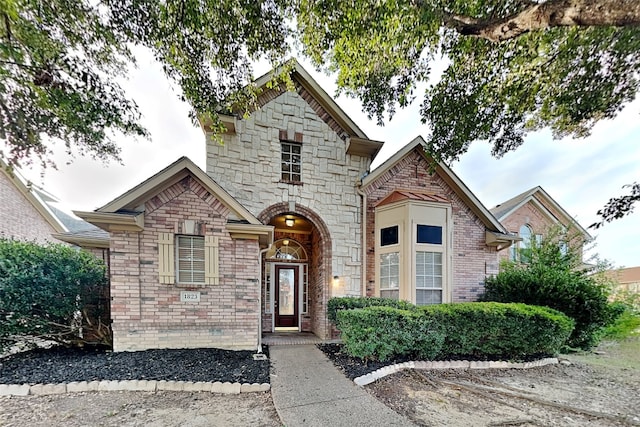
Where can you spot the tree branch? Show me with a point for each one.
(618, 207)
(550, 14)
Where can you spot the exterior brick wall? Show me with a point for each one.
(18, 218)
(472, 259)
(539, 221)
(148, 314)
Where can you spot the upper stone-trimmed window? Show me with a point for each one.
(291, 161)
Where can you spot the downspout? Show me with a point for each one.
(363, 274)
(260, 253)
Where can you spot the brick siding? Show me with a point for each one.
(472, 259)
(147, 314)
(18, 218)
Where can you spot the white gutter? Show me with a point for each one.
(363, 273)
(260, 253)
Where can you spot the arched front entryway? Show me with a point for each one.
(296, 268)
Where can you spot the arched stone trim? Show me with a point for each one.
(282, 208)
(325, 247)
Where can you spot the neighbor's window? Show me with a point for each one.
(428, 278)
(390, 275)
(430, 234)
(190, 264)
(389, 236)
(524, 247)
(291, 161)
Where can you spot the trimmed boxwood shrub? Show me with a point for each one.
(497, 330)
(348, 303)
(473, 330)
(380, 333)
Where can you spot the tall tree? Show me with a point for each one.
(513, 66)
(60, 60)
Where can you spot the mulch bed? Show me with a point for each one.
(63, 365)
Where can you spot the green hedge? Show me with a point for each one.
(478, 330)
(52, 292)
(348, 303)
(489, 329)
(572, 292)
(381, 333)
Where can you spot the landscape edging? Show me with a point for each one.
(131, 385)
(450, 364)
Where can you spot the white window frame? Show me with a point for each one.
(169, 259)
(188, 276)
(290, 161)
(433, 276)
(389, 288)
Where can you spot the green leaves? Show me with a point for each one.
(557, 280)
(565, 78)
(43, 290)
(60, 62)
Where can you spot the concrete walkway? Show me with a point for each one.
(309, 391)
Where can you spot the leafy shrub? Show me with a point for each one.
(347, 303)
(380, 333)
(44, 289)
(557, 280)
(478, 330)
(495, 330)
(626, 324)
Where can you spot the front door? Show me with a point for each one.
(286, 296)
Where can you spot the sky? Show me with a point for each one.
(580, 174)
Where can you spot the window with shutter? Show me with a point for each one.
(211, 266)
(188, 260)
(190, 254)
(166, 264)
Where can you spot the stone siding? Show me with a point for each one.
(472, 259)
(147, 314)
(248, 166)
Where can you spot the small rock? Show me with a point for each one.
(565, 362)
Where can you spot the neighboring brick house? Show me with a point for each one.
(531, 215)
(626, 279)
(30, 213)
(286, 216)
(25, 211)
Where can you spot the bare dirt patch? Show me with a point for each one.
(128, 409)
(576, 394)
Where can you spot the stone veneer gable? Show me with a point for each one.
(247, 165)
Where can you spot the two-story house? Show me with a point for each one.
(287, 215)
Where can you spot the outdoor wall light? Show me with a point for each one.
(285, 242)
(289, 222)
(336, 281)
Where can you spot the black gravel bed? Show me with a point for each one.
(354, 367)
(64, 365)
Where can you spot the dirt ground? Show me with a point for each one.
(585, 390)
(600, 389)
(128, 409)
